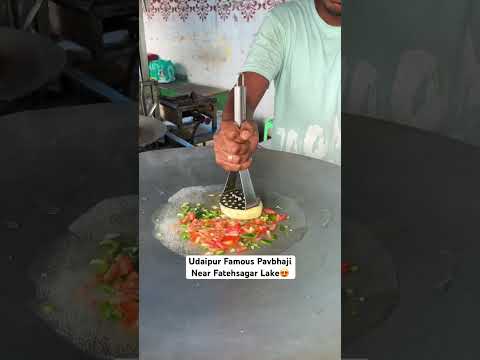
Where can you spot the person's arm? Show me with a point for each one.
(235, 146)
(256, 86)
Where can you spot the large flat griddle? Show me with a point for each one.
(27, 62)
(241, 319)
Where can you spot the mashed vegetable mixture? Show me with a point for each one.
(218, 235)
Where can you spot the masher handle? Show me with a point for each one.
(240, 101)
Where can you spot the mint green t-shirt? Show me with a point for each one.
(301, 53)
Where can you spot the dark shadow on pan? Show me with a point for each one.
(371, 293)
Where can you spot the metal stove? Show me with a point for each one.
(201, 112)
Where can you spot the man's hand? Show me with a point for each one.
(235, 146)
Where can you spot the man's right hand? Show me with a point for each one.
(234, 146)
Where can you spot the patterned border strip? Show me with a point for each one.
(202, 8)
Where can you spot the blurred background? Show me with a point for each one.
(205, 43)
(68, 119)
(99, 40)
(416, 64)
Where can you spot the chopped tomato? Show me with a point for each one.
(112, 273)
(130, 283)
(129, 312)
(125, 264)
(122, 266)
(233, 230)
(231, 236)
(120, 283)
(194, 236)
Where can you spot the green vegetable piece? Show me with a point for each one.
(97, 262)
(253, 245)
(111, 246)
(109, 311)
(131, 249)
(107, 289)
(48, 308)
(247, 236)
(113, 252)
(272, 217)
(100, 264)
(266, 242)
(109, 243)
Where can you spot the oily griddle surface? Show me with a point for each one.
(241, 319)
(370, 294)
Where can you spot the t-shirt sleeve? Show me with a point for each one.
(266, 53)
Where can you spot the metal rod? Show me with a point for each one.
(141, 98)
(96, 86)
(32, 14)
(150, 113)
(142, 43)
(239, 101)
(178, 140)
